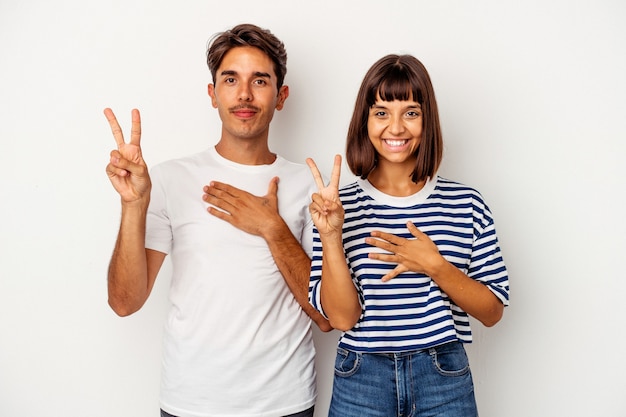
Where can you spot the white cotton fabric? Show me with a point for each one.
(236, 343)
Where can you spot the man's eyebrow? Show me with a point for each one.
(256, 73)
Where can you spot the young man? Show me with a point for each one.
(237, 340)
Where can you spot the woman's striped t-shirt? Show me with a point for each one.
(410, 312)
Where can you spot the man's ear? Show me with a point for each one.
(211, 90)
(283, 93)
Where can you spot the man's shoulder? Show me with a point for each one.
(196, 159)
(285, 166)
(287, 163)
(295, 177)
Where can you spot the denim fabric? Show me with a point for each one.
(434, 382)
(305, 413)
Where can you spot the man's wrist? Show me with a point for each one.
(139, 205)
(276, 230)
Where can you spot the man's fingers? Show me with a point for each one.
(123, 164)
(228, 189)
(316, 174)
(272, 190)
(221, 214)
(118, 135)
(135, 130)
(115, 127)
(221, 195)
(113, 171)
(114, 167)
(218, 200)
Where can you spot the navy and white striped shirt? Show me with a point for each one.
(411, 312)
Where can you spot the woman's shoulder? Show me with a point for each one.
(448, 186)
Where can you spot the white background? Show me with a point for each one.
(532, 101)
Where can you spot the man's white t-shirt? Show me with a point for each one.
(236, 342)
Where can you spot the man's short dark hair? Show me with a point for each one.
(248, 35)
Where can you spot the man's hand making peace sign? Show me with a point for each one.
(126, 169)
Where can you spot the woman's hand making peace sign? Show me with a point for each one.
(326, 209)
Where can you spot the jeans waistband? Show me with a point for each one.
(403, 354)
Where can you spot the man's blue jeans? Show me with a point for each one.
(431, 382)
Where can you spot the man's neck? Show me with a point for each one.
(246, 152)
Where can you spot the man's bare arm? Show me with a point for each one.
(133, 269)
(295, 266)
(259, 216)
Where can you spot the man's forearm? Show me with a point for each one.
(128, 277)
(295, 266)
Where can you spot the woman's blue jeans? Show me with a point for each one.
(434, 382)
(305, 413)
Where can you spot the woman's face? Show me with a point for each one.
(395, 129)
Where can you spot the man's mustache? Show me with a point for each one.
(244, 107)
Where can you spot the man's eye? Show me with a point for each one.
(229, 80)
(260, 82)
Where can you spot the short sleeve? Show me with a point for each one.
(158, 225)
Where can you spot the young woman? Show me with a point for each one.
(402, 257)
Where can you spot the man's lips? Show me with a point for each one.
(244, 112)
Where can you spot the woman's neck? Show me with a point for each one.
(394, 180)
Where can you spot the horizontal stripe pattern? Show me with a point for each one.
(411, 312)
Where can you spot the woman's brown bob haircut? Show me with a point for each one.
(395, 77)
(248, 35)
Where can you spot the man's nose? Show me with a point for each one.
(245, 93)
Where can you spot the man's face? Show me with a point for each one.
(246, 94)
